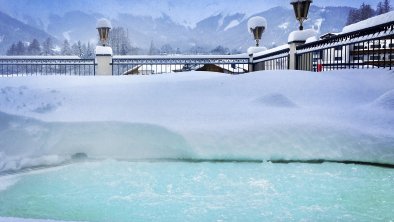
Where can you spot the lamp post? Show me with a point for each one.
(301, 9)
(257, 26)
(103, 27)
(103, 51)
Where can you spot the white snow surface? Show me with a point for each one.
(256, 21)
(312, 39)
(103, 23)
(103, 50)
(340, 115)
(252, 50)
(278, 48)
(40, 57)
(301, 35)
(374, 21)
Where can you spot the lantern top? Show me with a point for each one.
(103, 23)
(255, 22)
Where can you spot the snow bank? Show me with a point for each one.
(255, 22)
(374, 21)
(340, 115)
(301, 35)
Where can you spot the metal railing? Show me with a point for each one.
(363, 49)
(149, 65)
(272, 60)
(43, 65)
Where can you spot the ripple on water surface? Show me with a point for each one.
(202, 191)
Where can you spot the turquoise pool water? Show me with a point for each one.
(205, 191)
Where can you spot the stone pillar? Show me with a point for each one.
(104, 61)
(293, 53)
(251, 63)
(295, 39)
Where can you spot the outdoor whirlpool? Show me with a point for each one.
(112, 190)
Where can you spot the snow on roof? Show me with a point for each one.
(276, 49)
(253, 50)
(236, 56)
(312, 39)
(302, 35)
(103, 23)
(374, 21)
(257, 21)
(103, 50)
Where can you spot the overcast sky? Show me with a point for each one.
(182, 11)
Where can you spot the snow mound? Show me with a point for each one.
(103, 50)
(26, 142)
(301, 35)
(103, 23)
(386, 101)
(200, 115)
(12, 164)
(276, 100)
(255, 22)
(24, 99)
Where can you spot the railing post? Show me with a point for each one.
(104, 61)
(293, 54)
(297, 38)
(251, 67)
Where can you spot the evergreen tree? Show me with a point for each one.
(77, 49)
(119, 41)
(166, 49)
(353, 17)
(379, 9)
(66, 49)
(366, 12)
(89, 53)
(34, 48)
(356, 15)
(12, 50)
(386, 6)
(220, 50)
(152, 49)
(20, 48)
(47, 47)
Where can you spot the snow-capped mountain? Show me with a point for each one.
(12, 30)
(219, 28)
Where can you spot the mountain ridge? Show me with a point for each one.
(225, 29)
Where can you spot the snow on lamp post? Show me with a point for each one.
(103, 27)
(103, 51)
(301, 9)
(257, 26)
